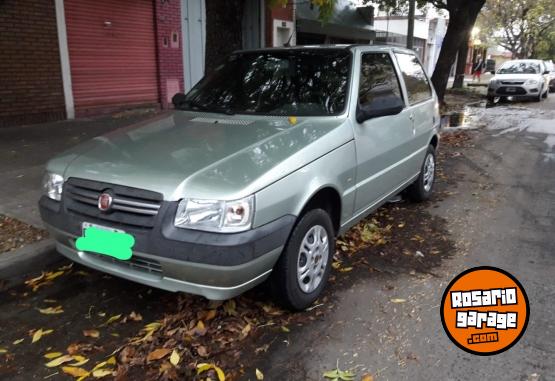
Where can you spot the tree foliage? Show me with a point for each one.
(462, 16)
(520, 26)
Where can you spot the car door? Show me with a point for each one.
(383, 144)
(422, 106)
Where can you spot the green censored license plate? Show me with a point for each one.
(106, 241)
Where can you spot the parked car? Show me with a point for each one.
(520, 79)
(551, 76)
(262, 164)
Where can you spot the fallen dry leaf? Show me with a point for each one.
(39, 333)
(398, 300)
(53, 275)
(80, 360)
(51, 310)
(367, 377)
(245, 331)
(18, 341)
(3, 350)
(112, 319)
(59, 361)
(174, 358)
(157, 354)
(110, 361)
(53, 355)
(74, 371)
(230, 307)
(135, 316)
(211, 314)
(201, 368)
(259, 375)
(91, 333)
(200, 329)
(99, 373)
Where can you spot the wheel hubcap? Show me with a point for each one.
(429, 171)
(313, 259)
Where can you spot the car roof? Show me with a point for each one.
(353, 47)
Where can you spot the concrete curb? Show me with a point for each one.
(28, 259)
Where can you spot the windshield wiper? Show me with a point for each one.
(201, 107)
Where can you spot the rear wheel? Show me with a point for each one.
(422, 188)
(302, 270)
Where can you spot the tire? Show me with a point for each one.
(285, 281)
(491, 99)
(539, 97)
(421, 190)
(546, 94)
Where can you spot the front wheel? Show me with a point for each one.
(539, 97)
(421, 189)
(302, 271)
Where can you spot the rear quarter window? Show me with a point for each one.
(418, 86)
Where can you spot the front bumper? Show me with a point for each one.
(514, 90)
(216, 266)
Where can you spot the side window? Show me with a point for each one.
(378, 80)
(418, 87)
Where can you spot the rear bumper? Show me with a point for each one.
(216, 266)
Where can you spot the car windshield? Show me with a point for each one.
(520, 67)
(310, 82)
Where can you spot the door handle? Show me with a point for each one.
(411, 116)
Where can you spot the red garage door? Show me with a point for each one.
(112, 52)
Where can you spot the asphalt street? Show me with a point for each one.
(499, 210)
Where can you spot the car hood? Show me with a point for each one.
(210, 156)
(512, 77)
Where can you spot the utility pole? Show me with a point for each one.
(410, 31)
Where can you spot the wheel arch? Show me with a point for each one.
(326, 197)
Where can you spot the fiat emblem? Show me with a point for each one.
(105, 202)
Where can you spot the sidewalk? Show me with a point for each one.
(24, 151)
(480, 87)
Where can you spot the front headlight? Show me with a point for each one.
(531, 82)
(215, 216)
(52, 185)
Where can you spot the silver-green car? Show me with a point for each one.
(252, 176)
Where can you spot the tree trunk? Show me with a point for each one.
(462, 55)
(224, 20)
(410, 31)
(461, 21)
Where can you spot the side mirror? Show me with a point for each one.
(178, 99)
(381, 106)
(546, 72)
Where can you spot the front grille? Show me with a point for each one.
(134, 263)
(512, 82)
(518, 91)
(130, 206)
